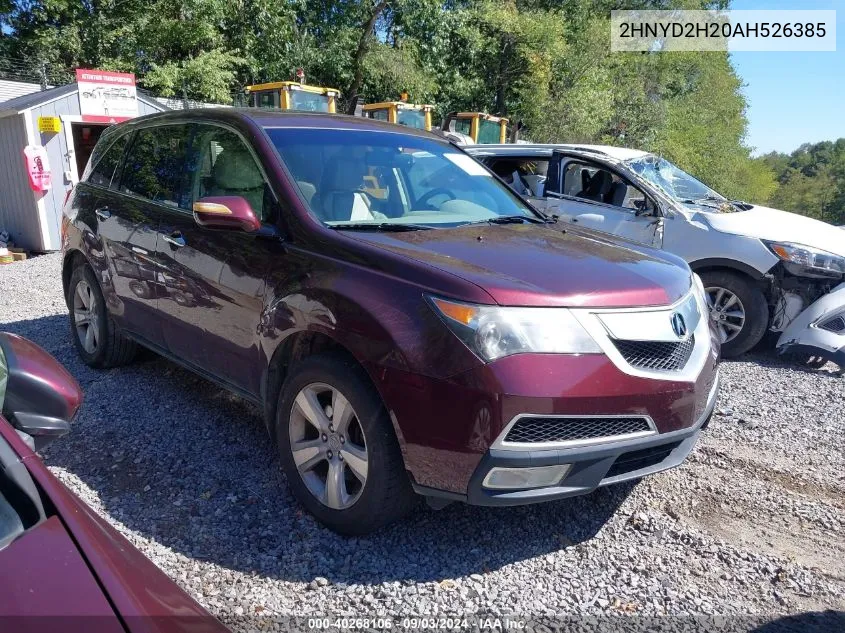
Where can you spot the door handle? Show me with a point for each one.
(103, 213)
(574, 220)
(174, 239)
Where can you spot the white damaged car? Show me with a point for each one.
(763, 269)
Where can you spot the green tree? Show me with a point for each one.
(811, 180)
(545, 63)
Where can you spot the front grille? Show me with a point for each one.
(656, 355)
(530, 430)
(643, 458)
(836, 325)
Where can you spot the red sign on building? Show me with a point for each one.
(106, 96)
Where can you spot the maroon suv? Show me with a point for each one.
(406, 322)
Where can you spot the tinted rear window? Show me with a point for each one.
(155, 165)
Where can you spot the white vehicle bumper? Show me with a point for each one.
(819, 329)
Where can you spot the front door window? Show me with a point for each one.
(226, 167)
(593, 196)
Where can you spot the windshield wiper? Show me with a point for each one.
(380, 226)
(510, 219)
(715, 202)
(706, 201)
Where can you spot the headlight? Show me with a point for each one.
(492, 332)
(807, 256)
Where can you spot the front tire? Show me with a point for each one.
(338, 447)
(96, 338)
(739, 309)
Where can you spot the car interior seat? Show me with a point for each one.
(597, 187)
(617, 193)
(535, 183)
(236, 174)
(340, 196)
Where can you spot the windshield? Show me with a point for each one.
(411, 118)
(354, 177)
(672, 180)
(309, 101)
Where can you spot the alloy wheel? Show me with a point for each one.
(86, 317)
(328, 446)
(727, 311)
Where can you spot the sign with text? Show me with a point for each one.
(49, 124)
(37, 167)
(105, 96)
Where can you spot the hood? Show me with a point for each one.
(781, 226)
(531, 265)
(45, 580)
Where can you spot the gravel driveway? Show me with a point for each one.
(752, 525)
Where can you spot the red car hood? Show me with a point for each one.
(75, 564)
(530, 265)
(46, 585)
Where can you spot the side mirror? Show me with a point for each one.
(41, 398)
(226, 212)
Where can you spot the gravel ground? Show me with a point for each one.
(752, 527)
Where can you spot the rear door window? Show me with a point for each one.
(155, 166)
(105, 166)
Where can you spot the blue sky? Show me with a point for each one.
(794, 98)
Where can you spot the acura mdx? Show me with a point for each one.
(405, 320)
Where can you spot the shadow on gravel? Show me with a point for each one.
(810, 622)
(177, 460)
(769, 358)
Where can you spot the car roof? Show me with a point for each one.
(545, 149)
(284, 119)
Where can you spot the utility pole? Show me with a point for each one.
(42, 71)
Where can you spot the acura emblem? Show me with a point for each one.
(679, 326)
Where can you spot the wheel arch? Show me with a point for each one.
(72, 259)
(730, 265)
(295, 347)
(377, 323)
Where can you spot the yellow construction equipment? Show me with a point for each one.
(292, 95)
(410, 114)
(475, 127)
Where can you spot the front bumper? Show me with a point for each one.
(591, 466)
(818, 329)
(451, 429)
(448, 457)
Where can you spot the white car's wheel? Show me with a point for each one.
(738, 308)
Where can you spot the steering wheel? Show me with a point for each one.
(423, 199)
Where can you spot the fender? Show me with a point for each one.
(731, 264)
(382, 323)
(804, 333)
(388, 328)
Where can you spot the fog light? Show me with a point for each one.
(532, 477)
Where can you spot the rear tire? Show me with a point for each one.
(733, 293)
(97, 340)
(327, 484)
